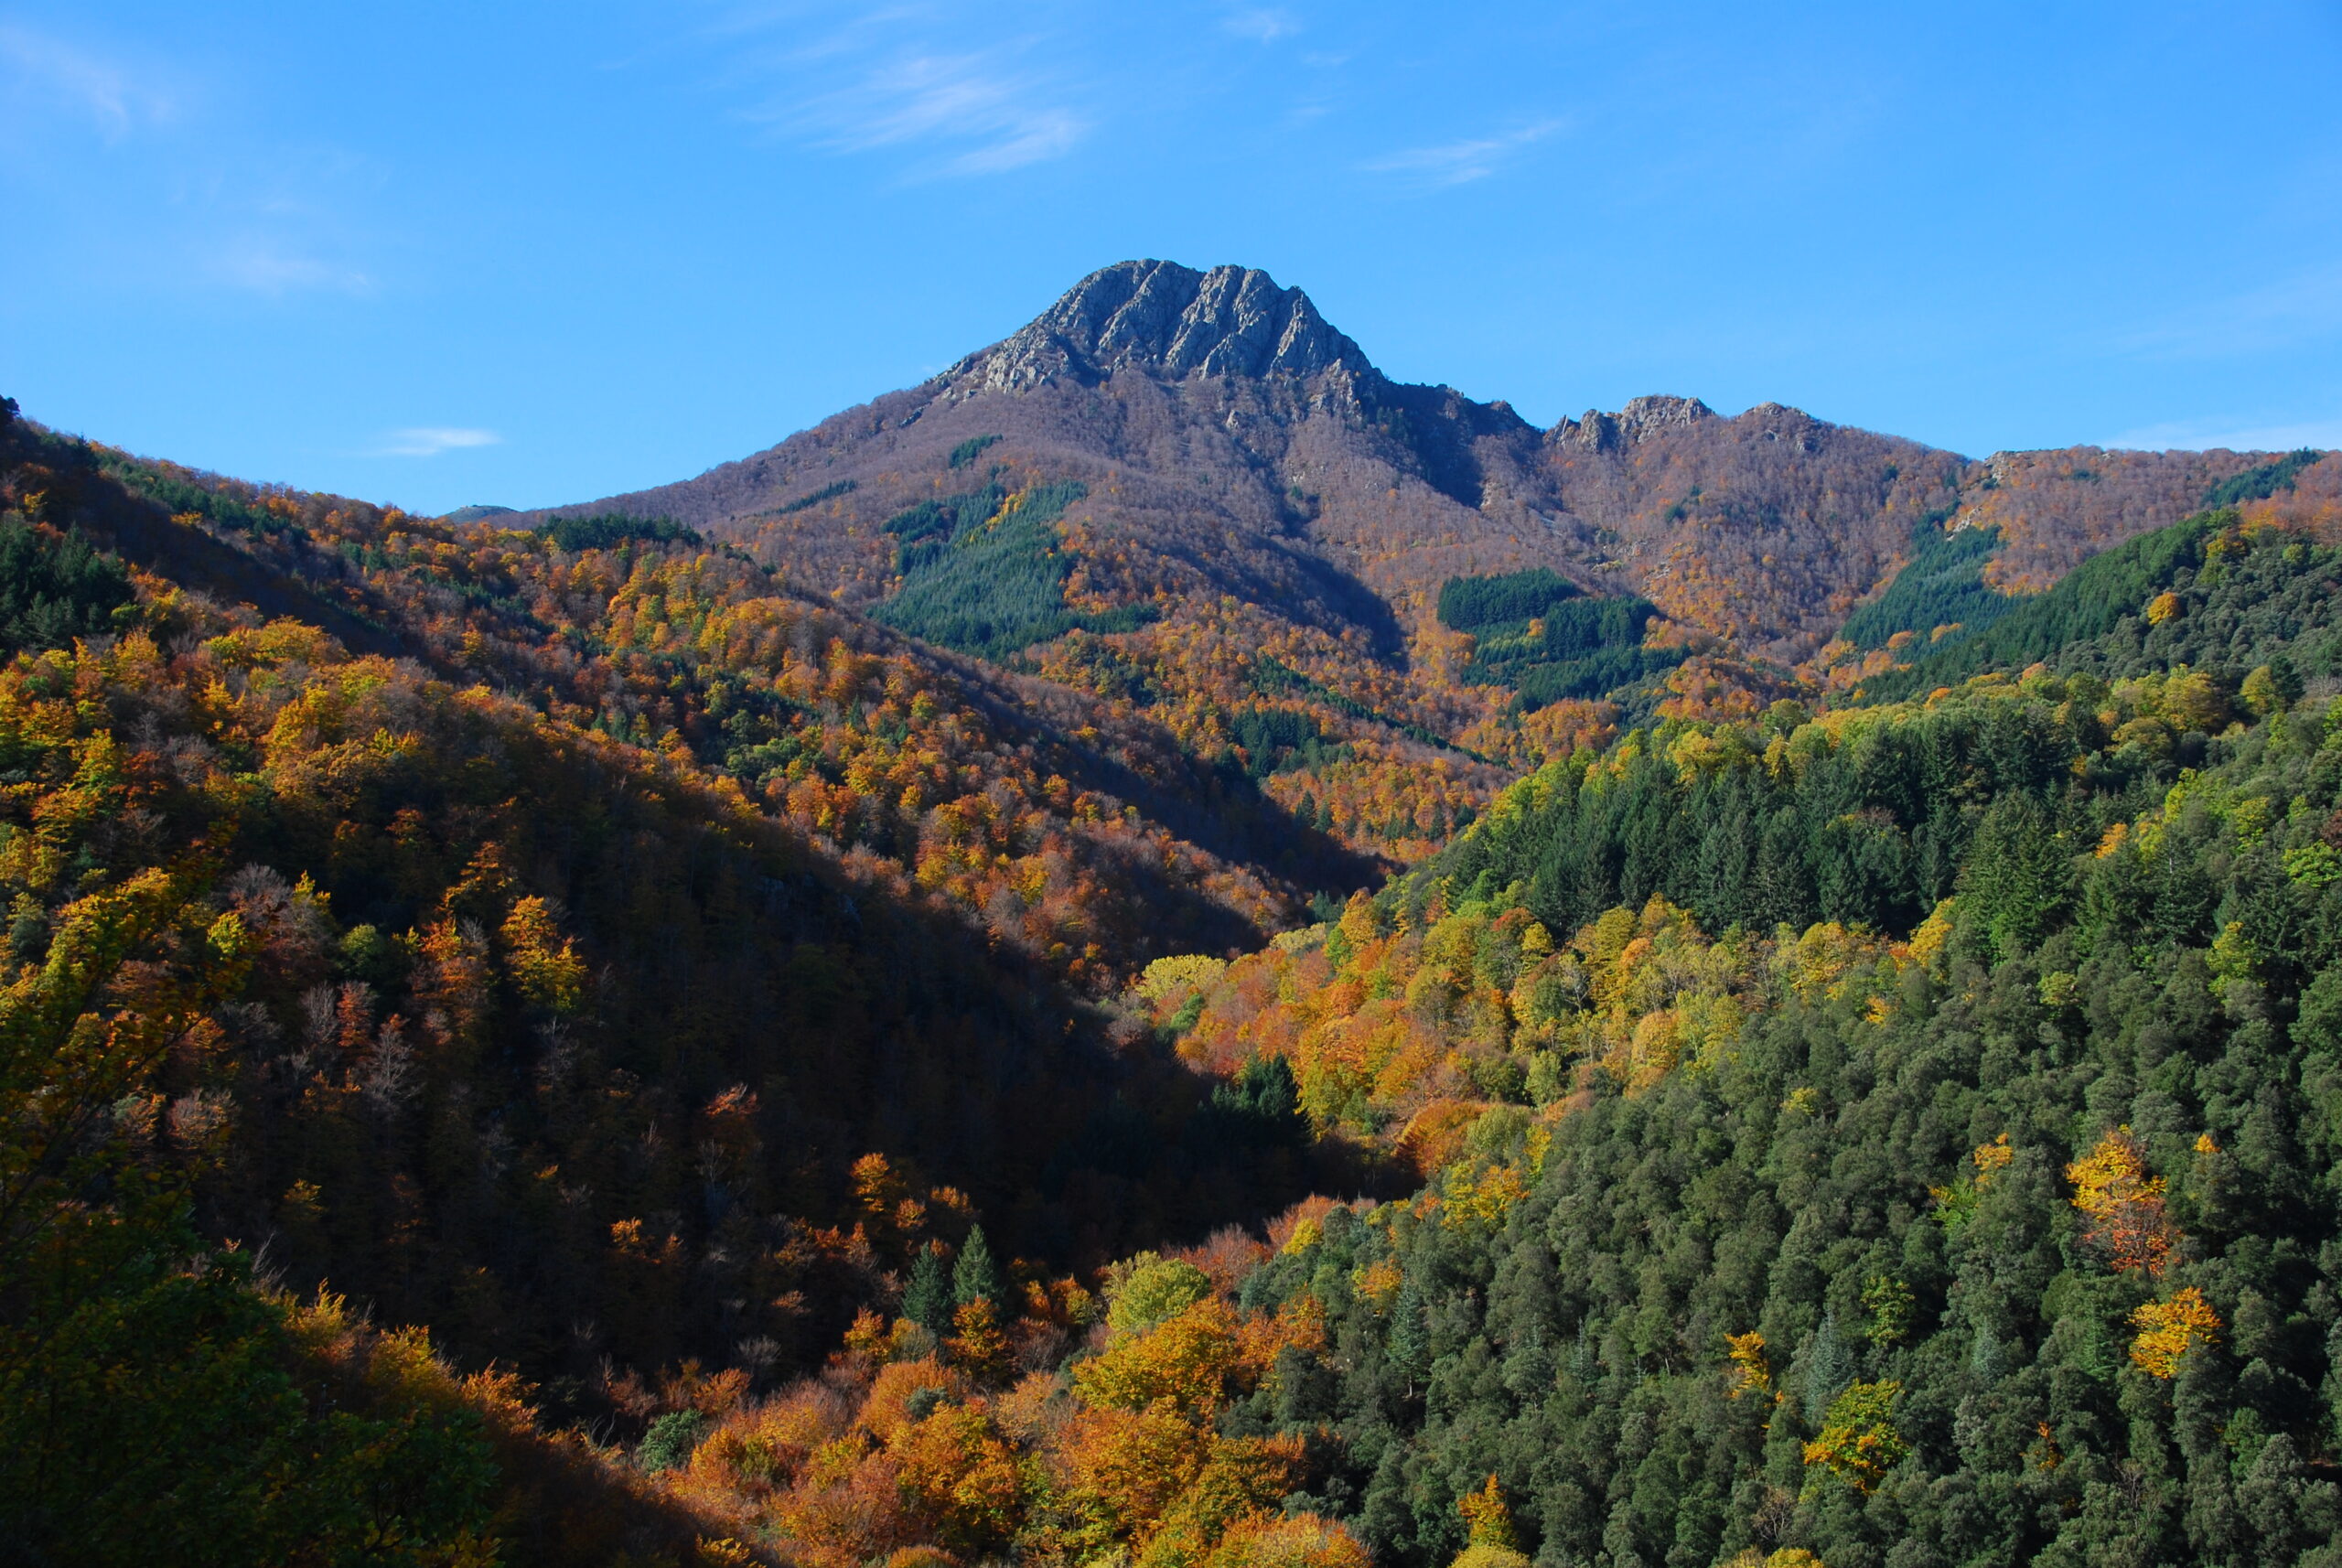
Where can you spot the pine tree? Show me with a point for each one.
(976, 1277)
(927, 1300)
(1828, 1368)
(1409, 1342)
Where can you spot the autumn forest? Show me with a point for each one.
(1162, 951)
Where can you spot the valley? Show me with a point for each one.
(1162, 950)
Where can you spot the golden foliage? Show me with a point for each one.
(1488, 1517)
(1185, 1362)
(1409, 1035)
(2169, 1329)
(2125, 1204)
(544, 963)
(977, 1343)
(959, 1478)
(1859, 1442)
(1288, 1541)
(1750, 1372)
(1177, 977)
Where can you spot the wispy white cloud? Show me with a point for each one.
(430, 440)
(272, 268)
(953, 100)
(2236, 435)
(1458, 163)
(191, 197)
(892, 78)
(48, 71)
(1263, 25)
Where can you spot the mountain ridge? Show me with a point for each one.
(1235, 408)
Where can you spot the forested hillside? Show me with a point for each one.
(1906, 1134)
(1913, 1136)
(541, 989)
(981, 1012)
(642, 631)
(1166, 462)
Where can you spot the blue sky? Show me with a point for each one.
(531, 254)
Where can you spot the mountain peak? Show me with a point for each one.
(1171, 321)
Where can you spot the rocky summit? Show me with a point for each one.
(1165, 319)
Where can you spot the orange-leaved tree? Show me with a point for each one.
(2125, 1204)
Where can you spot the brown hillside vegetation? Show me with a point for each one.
(972, 782)
(545, 977)
(1229, 445)
(2057, 508)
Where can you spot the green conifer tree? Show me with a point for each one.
(976, 1277)
(1409, 1342)
(927, 1300)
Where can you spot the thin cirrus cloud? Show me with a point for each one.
(2288, 311)
(223, 210)
(1461, 162)
(1262, 24)
(430, 440)
(959, 99)
(959, 112)
(263, 266)
(45, 71)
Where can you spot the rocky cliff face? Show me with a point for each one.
(1167, 320)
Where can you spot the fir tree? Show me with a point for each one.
(927, 1300)
(1828, 1368)
(976, 1277)
(1409, 1342)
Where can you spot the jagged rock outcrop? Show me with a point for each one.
(1644, 415)
(1641, 417)
(1167, 320)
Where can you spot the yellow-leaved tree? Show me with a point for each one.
(2169, 1329)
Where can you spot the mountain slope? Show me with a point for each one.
(613, 855)
(937, 763)
(651, 970)
(1187, 491)
(1903, 1137)
(1235, 441)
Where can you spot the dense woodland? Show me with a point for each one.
(1979, 1207)
(535, 1023)
(579, 1038)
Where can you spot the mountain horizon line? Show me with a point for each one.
(1232, 319)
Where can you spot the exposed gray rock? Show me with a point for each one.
(1642, 416)
(1168, 320)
